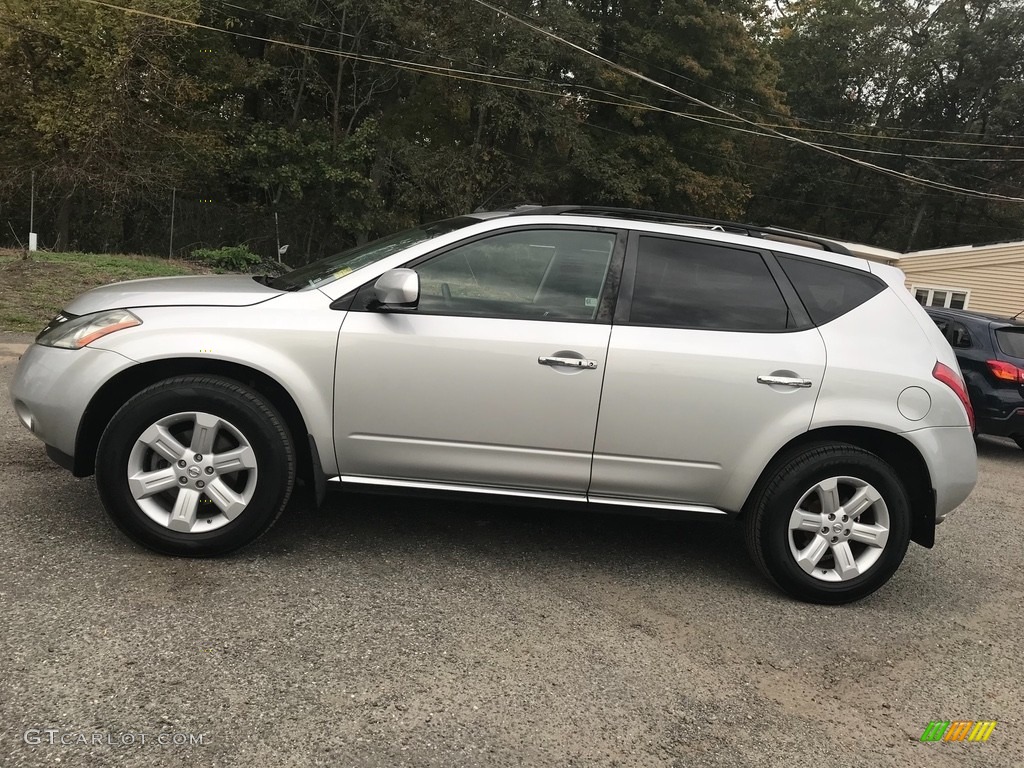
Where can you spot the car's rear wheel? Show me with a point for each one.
(830, 524)
(195, 466)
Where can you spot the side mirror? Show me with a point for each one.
(397, 288)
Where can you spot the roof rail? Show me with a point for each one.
(770, 233)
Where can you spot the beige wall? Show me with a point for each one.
(994, 274)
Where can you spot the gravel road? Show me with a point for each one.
(383, 631)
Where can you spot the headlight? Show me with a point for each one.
(74, 332)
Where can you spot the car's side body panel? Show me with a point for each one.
(465, 400)
(875, 353)
(879, 376)
(292, 339)
(683, 417)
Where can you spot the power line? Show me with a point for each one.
(476, 77)
(637, 105)
(827, 131)
(418, 67)
(636, 101)
(788, 116)
(883, 137)
(693, 99)
(575, 86)
(454, 74)
(385, 60)
(443, 55)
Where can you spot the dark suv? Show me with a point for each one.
(990, 350)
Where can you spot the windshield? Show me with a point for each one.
(327, 270)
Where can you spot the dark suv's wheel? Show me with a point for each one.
(831, 523)
(195, 466)
(1019, 440)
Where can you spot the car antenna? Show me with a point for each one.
(1017, 315)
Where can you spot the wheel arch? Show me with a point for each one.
(902, 455)
(113, 394)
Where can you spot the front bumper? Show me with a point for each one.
(52, 388)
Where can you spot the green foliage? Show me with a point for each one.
(382, 114)
(236, 258)
(922, 82)
(103, 105)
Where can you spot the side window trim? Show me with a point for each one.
(358, 298)
(801, 318)
(628, 279)
(611, 292)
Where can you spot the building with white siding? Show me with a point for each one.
(983, 278)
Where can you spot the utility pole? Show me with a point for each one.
(32, 216)
(170, 248)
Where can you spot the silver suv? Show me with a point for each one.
(597, 356)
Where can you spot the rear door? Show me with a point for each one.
(712, 365)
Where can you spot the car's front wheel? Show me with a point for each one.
(830, 524)
(195, 466)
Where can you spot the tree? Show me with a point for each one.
(103, 106)
(349, 118)
(905, 85)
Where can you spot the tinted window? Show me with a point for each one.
(696, 285)
(959, 337)
(533, 274)
(828, 291)
(1011, 341)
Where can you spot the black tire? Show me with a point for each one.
(786, 483)
(1019, 440)
(259, 424)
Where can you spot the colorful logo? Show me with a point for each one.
(958, 730)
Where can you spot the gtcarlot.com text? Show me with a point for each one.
(57, 737)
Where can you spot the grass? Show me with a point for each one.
(33, 290)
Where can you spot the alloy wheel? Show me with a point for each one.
(839, 529)
(192, 472)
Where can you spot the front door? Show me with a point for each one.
(494, 380)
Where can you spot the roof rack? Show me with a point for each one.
(770, 233)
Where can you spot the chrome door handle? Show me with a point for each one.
(786, 381)
(568, 362)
